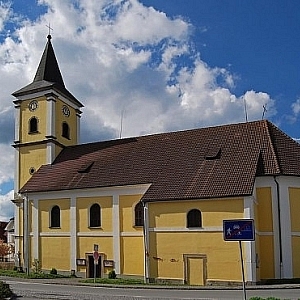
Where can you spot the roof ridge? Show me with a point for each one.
(267, 125)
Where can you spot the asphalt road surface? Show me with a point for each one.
(34, 290)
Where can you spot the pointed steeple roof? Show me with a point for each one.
(47, 77)
(48, 68)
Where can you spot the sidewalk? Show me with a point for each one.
(78, 282)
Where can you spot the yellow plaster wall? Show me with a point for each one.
(165, 214)
(55, 253)
(132, 255)
(167, 262)
(30, 156)
(26, 115)
(167, 248)
(86, 245)
(264, 224)
(264, 220)
(294, 194)
(127, 205)
(71, 121)
(266, 257)
(45, 207)
(83, 205)
(296, 256)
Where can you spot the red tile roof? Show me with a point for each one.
(220, 161)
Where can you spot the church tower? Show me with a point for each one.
(47, 118)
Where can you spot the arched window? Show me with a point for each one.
(55, 217)
(33, 125)
(95, 215)
(65, 130)
(139, 214)
(194, 218)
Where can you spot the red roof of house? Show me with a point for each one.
(220, 161)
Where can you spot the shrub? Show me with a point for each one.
(5, 290)
(112, 274)
(53, 271)
(36, 265)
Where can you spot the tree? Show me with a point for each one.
(4, 249)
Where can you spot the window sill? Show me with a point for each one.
(54, 227)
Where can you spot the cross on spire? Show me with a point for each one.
(49, 34)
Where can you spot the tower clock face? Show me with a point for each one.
(33, 105)
(66, 111)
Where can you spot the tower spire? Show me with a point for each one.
(48, 76)
(48, 68)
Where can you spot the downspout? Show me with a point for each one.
(279, 226)
(146, 243)
(26, 233)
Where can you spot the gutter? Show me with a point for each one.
(279, 226)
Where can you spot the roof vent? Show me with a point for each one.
(85, 168)
(213, 154)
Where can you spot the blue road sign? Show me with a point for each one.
(238, 230)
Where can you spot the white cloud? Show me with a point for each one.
(6, 163)
(5, 13)
(6, 206)
(120, 57)
(296, 107)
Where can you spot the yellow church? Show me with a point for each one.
(150, 206)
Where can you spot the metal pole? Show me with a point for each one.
(26, 233)
(146, 244)
(243, 274)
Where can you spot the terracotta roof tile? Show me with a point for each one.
(209, 162)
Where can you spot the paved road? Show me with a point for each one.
(33, 290)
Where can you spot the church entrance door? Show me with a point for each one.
(91, 267)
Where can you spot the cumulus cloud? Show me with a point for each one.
(6, 163)
(130, 65)
(6, 206)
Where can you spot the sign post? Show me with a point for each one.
(239, 230)
(96, 259)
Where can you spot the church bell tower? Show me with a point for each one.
(47, 118)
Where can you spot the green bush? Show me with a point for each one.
(53, 271)
(5, 290)
(112, 274)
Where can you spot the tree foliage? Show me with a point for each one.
(5, 249)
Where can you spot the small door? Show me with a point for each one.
(91, 267)
(195, 269)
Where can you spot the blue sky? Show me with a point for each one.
(156, 65)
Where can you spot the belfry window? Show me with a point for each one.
(55, 217)
(33, 125)
(194, 218)
(95, 216)
(65, 130)
(139, 214)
